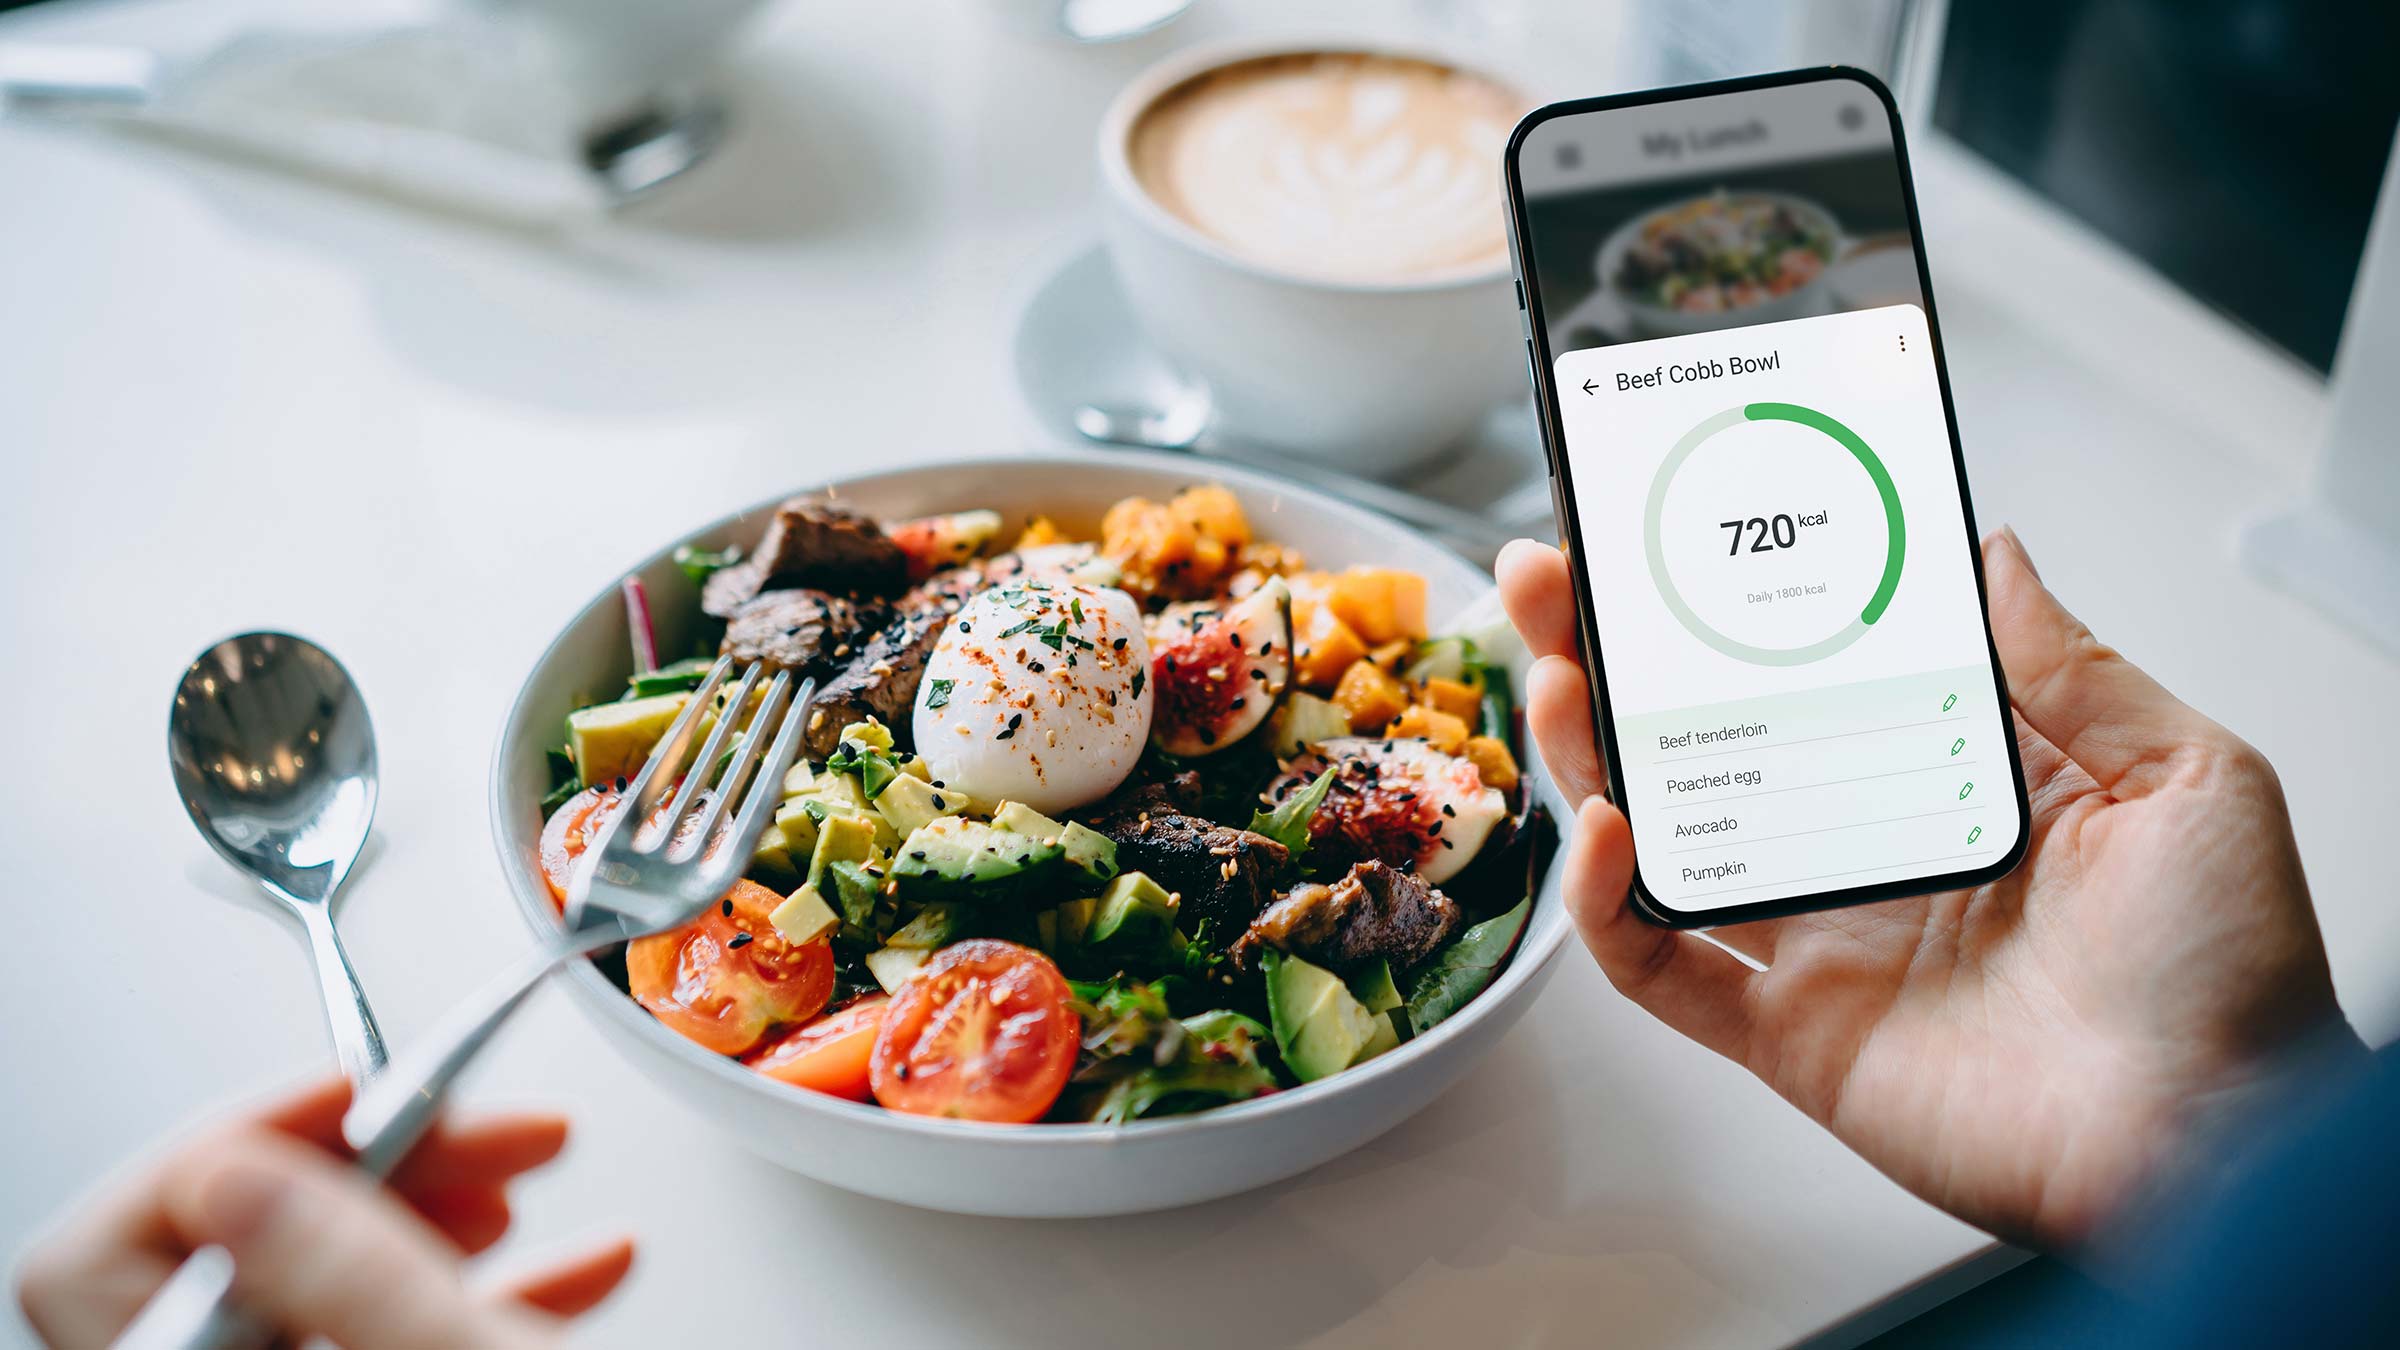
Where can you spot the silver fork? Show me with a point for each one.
(642, 882)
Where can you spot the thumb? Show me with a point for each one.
(320, 1250)
(2100, 709)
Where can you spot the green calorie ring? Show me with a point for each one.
(1895, 547)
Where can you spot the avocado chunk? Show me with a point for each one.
(1385, 1037)
(909, 802)
(856, 891)
(946, 857)
(773, 856)
(804, 916)
(1371, 984)
(1085, 849)
(1089, 851)
(1024, 819)
(934, 927)
(849, 839)
(893, 967)
(674, 677)
(611, 740)
(1075, 920)
(1319, 1027)
(1134, 919)
(798, 829)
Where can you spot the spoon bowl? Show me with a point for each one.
(273, 756)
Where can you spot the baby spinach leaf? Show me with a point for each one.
(1465, 968)
(1287, 824)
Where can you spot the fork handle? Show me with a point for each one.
(388, 1115)
(193, 1310)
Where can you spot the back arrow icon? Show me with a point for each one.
(1587, 387)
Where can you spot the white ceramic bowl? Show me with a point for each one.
(1018, 1171)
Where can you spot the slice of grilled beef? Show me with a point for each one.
(881, 680)
(1374, 910)
(807, 632)
(813, 544)
(1223, 875)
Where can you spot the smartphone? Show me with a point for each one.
(1756, 466)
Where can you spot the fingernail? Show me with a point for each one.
(238, 1199)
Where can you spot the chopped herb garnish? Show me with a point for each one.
(937, 693)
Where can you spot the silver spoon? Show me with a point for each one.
(1183, 427)
(274, 758)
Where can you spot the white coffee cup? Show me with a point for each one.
(1371, 376)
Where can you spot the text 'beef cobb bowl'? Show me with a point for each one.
(1161, 830)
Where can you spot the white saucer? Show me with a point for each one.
(1077, 342)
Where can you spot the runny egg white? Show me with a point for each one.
(1038, 692)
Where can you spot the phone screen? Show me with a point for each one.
(1752, 438)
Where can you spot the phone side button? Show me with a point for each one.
(1530, 382)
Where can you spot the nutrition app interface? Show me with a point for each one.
(1771, 517)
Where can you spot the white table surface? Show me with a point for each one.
(231, 400)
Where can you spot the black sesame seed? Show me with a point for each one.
(1448, 809)
(726, 909)
(740, 940)
(917, 853)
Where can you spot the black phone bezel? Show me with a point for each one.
(1539, 368)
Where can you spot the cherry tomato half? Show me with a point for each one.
(828, 1055)
(983, 1032)
(580, 819)
(724, 979)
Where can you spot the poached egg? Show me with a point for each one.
(1038, 692)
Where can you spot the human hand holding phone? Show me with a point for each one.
(2028, 1053)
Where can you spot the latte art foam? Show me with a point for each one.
(1348, 167)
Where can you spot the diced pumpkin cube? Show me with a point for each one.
(1391, 655)
(1040, 532)
(1383, 604)
(1455, 697)
(1159, 551)
(1323, 647)
(1444, 732)
(1492, 761)
(1370, 695)
(1211, 511)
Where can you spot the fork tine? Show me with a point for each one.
(759, 807)
(737, 771)
(666, 760)
(697, 780)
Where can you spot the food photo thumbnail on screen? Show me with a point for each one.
(1695, 229)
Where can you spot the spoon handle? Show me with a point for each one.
(356, 1041)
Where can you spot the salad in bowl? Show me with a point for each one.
(1101, 822)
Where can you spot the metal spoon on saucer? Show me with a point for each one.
(274, 758)
(1183, 427)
